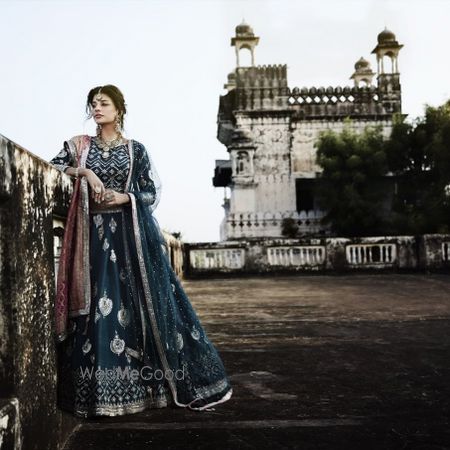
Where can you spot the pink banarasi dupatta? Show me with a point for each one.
(71, 299)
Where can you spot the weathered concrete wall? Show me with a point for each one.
(435, 250)
(30, 189)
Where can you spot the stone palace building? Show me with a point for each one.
(270, 129)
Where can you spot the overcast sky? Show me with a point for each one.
(171, 58)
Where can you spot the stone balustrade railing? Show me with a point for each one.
(327, 254)
(332, 94)
(266, 224)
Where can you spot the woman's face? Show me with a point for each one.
(103, 109)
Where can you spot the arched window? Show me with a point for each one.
(241, 163)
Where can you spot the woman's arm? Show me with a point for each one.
(64, 159)
(148, 186)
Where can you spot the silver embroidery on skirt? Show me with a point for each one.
(123, 315)
(113, 224)
(117, 345)
(101, 232)
(98, 220)
(113, 256)
(105, 244)
(105, 304)
(195, 333)
(86, 346)
(179, 341)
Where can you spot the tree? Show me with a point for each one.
(351, 187)
(419, 154)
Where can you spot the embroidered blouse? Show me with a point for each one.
(113, 171)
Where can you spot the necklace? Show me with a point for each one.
(106, 146)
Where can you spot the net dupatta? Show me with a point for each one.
(177, 333)
(153, 175)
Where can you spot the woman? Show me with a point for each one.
(128, 337)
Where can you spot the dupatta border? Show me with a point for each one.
(148, 296)
(83, 148)
(210, 389)
(130, 171)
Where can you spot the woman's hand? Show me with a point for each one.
(96, 185)
(114, 198)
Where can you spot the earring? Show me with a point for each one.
(99, 130)
(118, 126)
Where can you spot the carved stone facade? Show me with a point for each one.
(270, 131)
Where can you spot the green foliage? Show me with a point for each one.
(351, 188)
(419, 153)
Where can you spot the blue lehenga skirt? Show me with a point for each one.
(109, 363)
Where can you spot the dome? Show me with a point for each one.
(362, 64)
(244, 29)
(386, 36)
(232, 76)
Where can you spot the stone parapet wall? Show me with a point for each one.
(319, 255)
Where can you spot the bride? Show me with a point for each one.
(127, 335)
